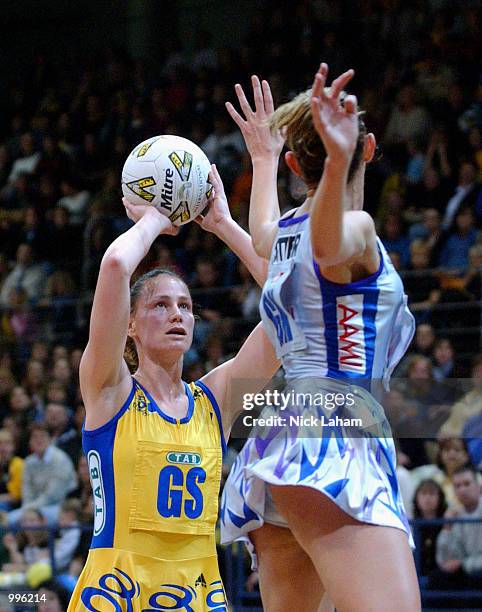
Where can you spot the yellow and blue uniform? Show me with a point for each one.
(155, 483)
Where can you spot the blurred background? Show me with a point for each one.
(83, 83)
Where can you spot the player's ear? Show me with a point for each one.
(131, 330)
(369, 148)
(292, 163)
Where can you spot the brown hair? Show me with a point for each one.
(130, 352)
(304, 140)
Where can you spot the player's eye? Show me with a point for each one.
(185, 305)
(161, 304)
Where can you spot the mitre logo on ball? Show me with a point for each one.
(170, 173)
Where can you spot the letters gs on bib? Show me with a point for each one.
(170, 173)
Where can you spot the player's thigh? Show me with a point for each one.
(287, 578)
(362, 566)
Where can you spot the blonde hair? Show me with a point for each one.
(294, 118)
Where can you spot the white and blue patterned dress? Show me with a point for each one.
(331, 338)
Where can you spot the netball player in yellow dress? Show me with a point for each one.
(154, 443)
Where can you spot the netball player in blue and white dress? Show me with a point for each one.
(323, 511)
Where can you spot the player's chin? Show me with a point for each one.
(177, 341)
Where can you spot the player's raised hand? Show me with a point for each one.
(335, 122)
(261, 142)
(136, 212)
(217, 209)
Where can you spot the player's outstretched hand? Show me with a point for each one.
(135, 212)
(217, 209)
(337, 124)
(261, 142)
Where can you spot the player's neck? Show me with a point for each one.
(164, 380)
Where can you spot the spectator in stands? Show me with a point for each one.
(33, 231)
(7, 383)
(53, 597)
(207, 279)
(429, 230)
(472, 280)
(62, 373)
(61, 231)
(20, 321)
(459, 546)
(22, 407)
(60, 298)
(416, 161)
(11, 473)
(428, 503)
(454, 255)
(34, 380)
(468, 406)
(408, 120)
(394, 239)
(432, 399)
(75, 199)
(47, 478)
(424, 340)
(465, 195)
(423, 289)
(56, 392)
(472, 434)
(28, 160)
(57, 418)
(29, 545)
(53, 162)
(69, 534)
(27, 274)
(40, 351)
(452, 454)
(444, 360)
(247, 295)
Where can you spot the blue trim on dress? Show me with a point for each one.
(217, 411)
(292, 220)
(115, 418)
(371, 293)
(167, 417)
(354, 284)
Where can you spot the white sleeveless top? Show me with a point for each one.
(357, 330)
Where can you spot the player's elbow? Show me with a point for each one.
(328, 253)
(261, 248)
(113, 264)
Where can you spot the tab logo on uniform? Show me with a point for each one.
(95, 472)
(184, 458)
(139, 187)
(181, 212)
(183, 167)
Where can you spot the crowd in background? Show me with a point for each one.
(65, 132)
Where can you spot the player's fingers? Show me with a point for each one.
(257, 94)
(268, 98)
(340, 83)
(236, 117)
(350, 104)
(215, 179)
(319, 83)
(316, 114)
(247, 110)
(317, 87)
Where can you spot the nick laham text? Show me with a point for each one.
(249, 420)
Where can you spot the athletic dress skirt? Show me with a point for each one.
(334, 438)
